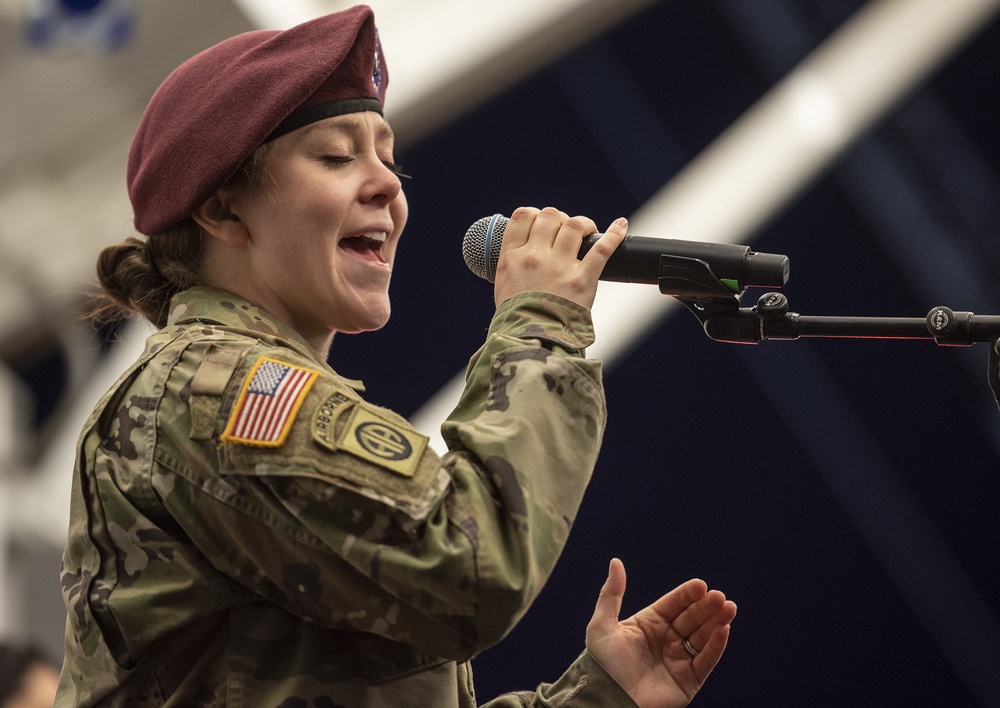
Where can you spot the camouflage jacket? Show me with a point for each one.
(247, 531)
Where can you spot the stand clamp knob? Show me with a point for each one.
(772, 307)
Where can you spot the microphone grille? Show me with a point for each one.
(481, 245)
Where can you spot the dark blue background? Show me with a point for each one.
(843, 492)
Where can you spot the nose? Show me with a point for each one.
(383, 185)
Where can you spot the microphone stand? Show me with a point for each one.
(717, 307)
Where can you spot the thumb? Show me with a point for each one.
(605, 618)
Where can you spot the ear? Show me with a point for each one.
(217, 218)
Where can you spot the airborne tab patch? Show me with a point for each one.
(325, 419)
(382, 441)
(266, 408)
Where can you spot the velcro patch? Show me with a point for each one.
(271, 396)
(381, 441)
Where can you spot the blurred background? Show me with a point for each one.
(843, 492)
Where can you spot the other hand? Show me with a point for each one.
(646, 653)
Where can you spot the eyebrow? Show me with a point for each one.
(354, 123)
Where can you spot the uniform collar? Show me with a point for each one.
(206, 305)
(211, 306)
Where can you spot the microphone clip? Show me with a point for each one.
(714, 301)
(692, 279)
(716, 304)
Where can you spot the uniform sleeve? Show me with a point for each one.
(585, 684)
(348, 520)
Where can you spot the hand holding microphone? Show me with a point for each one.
(541, 251)
(640, 260)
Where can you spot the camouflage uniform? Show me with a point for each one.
(325, 557)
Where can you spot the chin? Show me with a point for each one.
(371, 324)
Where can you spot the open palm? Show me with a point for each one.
(645, 653)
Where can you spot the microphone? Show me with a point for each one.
(640, 260)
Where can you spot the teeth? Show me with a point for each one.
(376, 235)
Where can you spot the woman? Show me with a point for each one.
(246, 529)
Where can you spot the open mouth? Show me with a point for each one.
(368, 245)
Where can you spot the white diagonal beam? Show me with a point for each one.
(447, 56)
(771, 153)
(452, 53)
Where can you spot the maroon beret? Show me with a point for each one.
(216, 108)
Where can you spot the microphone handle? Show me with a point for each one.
(637, 260)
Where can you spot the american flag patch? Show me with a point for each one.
(272, 395)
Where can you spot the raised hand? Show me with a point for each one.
(664, 653)
(540, 249)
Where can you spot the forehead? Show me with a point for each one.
(354, 125)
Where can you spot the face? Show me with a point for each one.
(322, 231)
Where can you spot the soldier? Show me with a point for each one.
(246, 530)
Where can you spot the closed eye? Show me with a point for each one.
(346, 160)
(336, 159)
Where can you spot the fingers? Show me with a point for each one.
(699, 612)
(703, 625)
(609, 603)
(547, 228)
(700, 616)
(712, 646)
(701, 620)
(521, 221)
(540, 251)
(601, 251)
(671, 606)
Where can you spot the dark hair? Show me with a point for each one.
(140, 276)
(15, 661)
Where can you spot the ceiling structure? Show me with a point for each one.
(843, 492)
